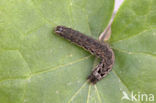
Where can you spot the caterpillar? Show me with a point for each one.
(101, 50)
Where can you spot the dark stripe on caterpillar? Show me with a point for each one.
(101, 50)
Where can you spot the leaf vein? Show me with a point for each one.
(140, 33)
(77, 92)
(88, 93)
(59, 66)
(98, 95)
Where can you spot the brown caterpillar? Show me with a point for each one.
(101, 50)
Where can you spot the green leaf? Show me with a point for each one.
(36, 66)
(134, 41)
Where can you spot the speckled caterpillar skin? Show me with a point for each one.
(101, 50)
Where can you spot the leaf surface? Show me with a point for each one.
(36, 66)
